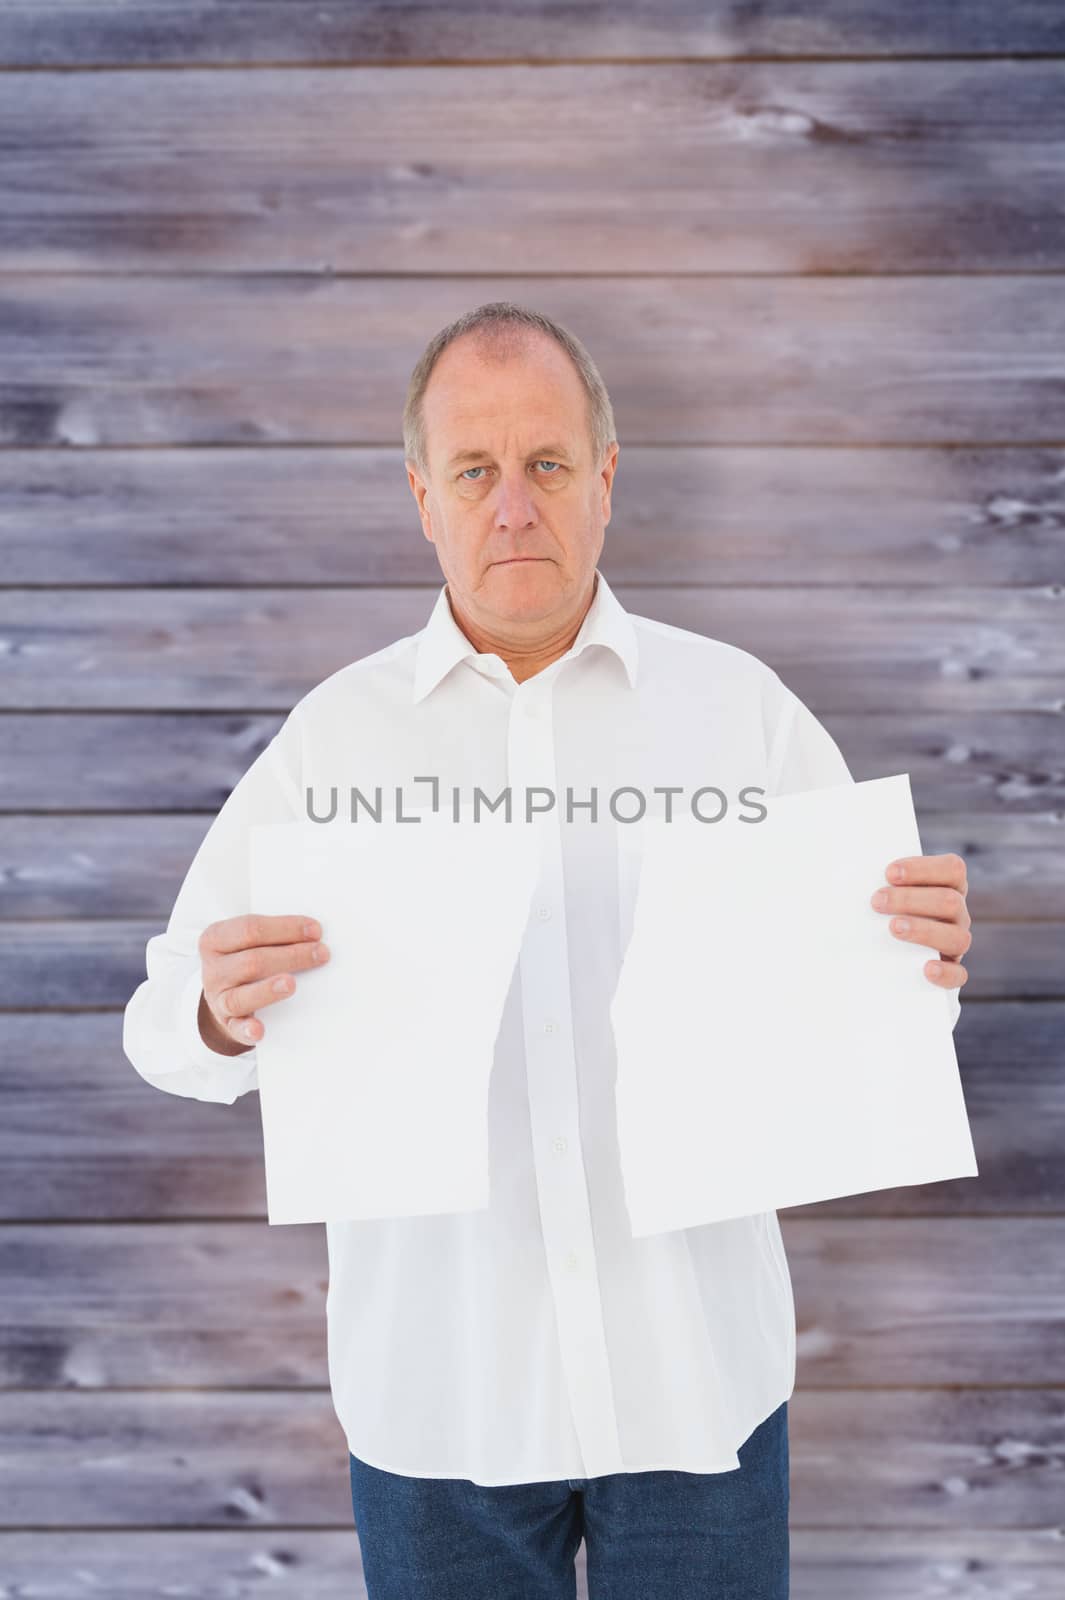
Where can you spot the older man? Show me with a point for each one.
(514, 1378)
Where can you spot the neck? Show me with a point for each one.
(524, 658)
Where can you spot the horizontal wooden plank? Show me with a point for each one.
(223, 1459)
(883, 1458)
(153, 763)
(765, 360)
(120, 1148)
(85, 1138)
(90, 963)
(721, 516)
(323, 1564)
(930, 1301)
(205, 1304)
(235, 1304)
(845, 649)
(297, 1564)
(992, 765)
(133, 866)
(638, 167)
(878, 1564)
(200, 32)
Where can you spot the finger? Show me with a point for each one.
(245, 1030)
(948, 905)
(242, 1029)
(947, 974)
(269, 978)
(945, 937)
(252, 929)
(239, 1005)
(264, 961)
(947, 869)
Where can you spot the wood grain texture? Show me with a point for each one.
(101, 762)
(994, 765)
(253, 32)
(241, 1305)
(132, 866)
(883, 1458)
(816, 250)
(876, 648)
(313, 358)
(230, 516)
(597, 167)
(71, 965)
(325, 1564)
(85, 1138)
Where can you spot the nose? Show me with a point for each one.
(515, 505)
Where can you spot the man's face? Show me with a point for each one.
(515, 504)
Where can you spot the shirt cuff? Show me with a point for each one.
(225, 1076)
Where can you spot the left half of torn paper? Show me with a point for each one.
(374, 1074)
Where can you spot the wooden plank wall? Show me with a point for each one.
(817, 249)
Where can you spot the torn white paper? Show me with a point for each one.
(776, 1044)
(374, 1074)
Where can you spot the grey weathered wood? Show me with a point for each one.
(915, 1564)
(992, 765)
(932, 1301)
(961, 650)
(766, 360)
(860, 467)
(132, 866)
(84, 1137)
(122, 762)
(897, 1458)
(156, 32)
(695, 515)
(323, 1564)
(203, 1305)
(858, 167)
(242, 1564)
(963, 1300)
(71, 965)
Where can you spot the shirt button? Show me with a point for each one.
(572, 1261)
(543, 912)
(560, 1145)
(549, 1026)
(531, 710)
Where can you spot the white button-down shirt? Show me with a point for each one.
(534, 1338)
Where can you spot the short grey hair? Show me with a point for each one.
(506, 327)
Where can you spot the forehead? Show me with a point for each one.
(473, 389)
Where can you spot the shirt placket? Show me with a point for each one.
(565, 1211)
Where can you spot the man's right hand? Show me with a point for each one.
(249, 962)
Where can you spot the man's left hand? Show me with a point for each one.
(926, 901)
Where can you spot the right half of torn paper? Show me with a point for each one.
(776, 1043)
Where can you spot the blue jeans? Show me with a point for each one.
(648, 1535)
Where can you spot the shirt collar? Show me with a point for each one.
(442, 643)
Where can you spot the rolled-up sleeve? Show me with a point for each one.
(160, 1031)
(802, 754)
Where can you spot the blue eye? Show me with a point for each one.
(543, 462)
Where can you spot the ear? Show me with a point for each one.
(420, 490)
(606, 474)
